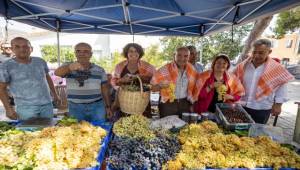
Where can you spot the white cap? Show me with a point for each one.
(5, 45)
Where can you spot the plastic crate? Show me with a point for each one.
(104, 144)
(233, 126)
(252, 169)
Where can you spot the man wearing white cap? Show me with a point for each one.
(6, 52)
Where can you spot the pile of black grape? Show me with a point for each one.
(133, 153)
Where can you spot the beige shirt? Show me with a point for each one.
(181, 85)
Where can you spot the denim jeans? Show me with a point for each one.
(90, 112)
(28, 111)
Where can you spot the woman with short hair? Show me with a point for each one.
(217, 86)
(133, 65)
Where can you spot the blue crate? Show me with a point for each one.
(251, 169)
(12, 122)
(104, 144)
(108, 167)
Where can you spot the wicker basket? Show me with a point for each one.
(133, 102)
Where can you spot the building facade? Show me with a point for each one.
(287, 48)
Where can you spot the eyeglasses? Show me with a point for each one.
(6, 48)
(81, 76)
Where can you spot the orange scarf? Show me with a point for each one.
(169, 74)
(234, 84)
(274, 75)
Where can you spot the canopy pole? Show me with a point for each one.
(58, 42)
(201, 49)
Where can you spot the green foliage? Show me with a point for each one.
(109, 63)
(154, 56)
(287, 21)
(212, 44)
(49, 54)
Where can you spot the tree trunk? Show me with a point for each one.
(258, 29)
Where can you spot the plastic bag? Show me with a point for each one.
(168, 122)
(275, 133)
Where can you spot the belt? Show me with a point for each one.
(88, 103)
(180, 100)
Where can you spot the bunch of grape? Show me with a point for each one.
(131, 88)
(134, 126)
(221, 90)
(171, 91)
(67, 121)
(128, 153)
(134, 88)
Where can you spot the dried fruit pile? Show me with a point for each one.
(204, 145)
(235, 116)
(53, 148)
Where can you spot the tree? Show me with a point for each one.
(212, 44)
(109, 63)
(258, 29)
(49, 54)
(287, 21)
(153, 56)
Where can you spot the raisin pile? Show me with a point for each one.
(235, 116)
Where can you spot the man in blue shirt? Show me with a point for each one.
(194, 58)
(87, 86)
(29, 83)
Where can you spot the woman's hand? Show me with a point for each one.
(126, 79)
(210, 87)
(217, 84)
(164, 85)
(228, 97)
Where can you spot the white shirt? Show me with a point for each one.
(181, 85)
(250, 81)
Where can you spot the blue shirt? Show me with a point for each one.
(199, 67)
(27, 82)
(90, 88)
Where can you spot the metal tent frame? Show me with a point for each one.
(140, 17)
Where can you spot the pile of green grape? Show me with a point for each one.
(134, 126)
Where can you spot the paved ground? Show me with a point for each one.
(286, 119)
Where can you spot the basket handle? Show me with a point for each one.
(141, 83)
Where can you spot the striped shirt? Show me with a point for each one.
(90, 90)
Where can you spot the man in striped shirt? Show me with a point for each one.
(87, 86)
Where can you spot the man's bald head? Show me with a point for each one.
(21, 47)
(84, 45)
(17, 39)
(83, 52)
